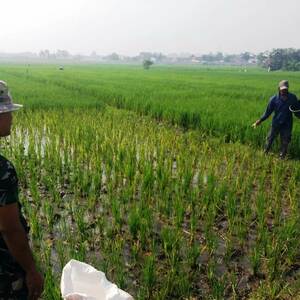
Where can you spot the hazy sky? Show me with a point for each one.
(131, 26)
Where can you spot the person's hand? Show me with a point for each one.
(35, 283)
(256, 123)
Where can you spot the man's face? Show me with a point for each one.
(5, 124)
(283, 92)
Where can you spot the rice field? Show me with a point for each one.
(157, 179)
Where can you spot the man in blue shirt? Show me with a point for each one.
(282, 122)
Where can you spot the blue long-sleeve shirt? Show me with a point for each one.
(280, 107)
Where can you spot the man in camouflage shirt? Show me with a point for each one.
(19, 278)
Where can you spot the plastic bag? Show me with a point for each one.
(81, 281)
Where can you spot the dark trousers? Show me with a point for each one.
(12, 278)
(285, 138)
(13, 287)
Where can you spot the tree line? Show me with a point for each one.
(280, 59)
(276, 59)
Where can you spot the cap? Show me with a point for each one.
(283, 85)
(6, 103)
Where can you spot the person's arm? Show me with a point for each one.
(295, 103)
(16, 240)
(268, 112)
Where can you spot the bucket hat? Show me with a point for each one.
(6, 102)
(283, 85)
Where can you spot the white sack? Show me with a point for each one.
(81, 281)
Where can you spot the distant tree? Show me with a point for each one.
(147, 63)
(62, 54)
(263, 59)
(212, 58)
(245, 56)
(280, 59)
(44, 53)
(297, 66)
(208, 57)
(160, 57)
(277, 59)
(113, 57)
(219, 56)
(230, 58)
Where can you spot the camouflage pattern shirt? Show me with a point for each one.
(8, 195)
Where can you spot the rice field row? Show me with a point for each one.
(223, 102)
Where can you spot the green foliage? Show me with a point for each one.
(147, 63)
(166, 211)
(281, 59)
(220, 101)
